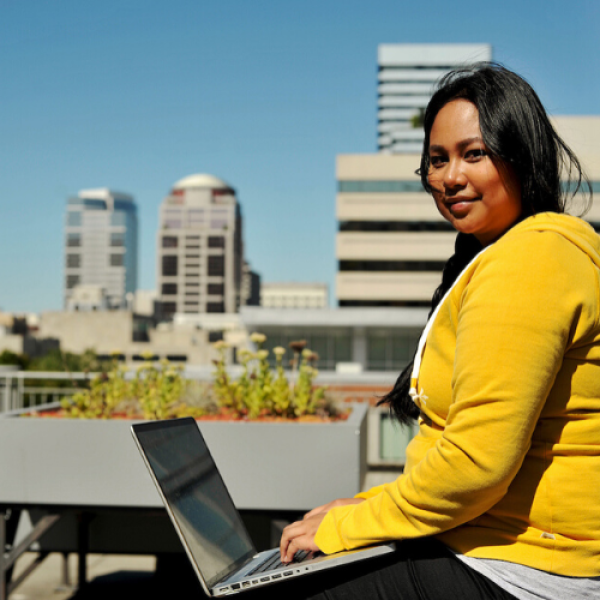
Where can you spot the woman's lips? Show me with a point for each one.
(457, 207)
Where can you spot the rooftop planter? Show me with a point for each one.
(267, 454)
(266, 465)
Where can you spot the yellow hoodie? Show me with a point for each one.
(506, 464)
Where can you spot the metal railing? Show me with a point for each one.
(18, 389)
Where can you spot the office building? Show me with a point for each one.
(200, 248)
(392, 243)
(406, 78)
(294, 295)
(101, 245)
(250, 286)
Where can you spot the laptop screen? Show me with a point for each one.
(196, 495)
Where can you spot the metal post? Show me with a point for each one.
(21, 386)
(7, 393)
(66, 580)
(3, 571)
(83, 544)
(9, 553)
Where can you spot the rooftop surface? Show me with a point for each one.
(109, 576)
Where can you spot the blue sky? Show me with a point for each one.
(136, 94)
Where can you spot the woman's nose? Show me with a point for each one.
(454, 175)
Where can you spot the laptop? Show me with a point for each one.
(206, 520)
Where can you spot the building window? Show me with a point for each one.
(215, 336)
(117, 239)
(72, 281)
(192, 283)
(216, 266)
(389, 187)
(74, 218)
(216, 241)
(169, 266)
(169, 241)
(390, 352)
(391, 265)
(216, 289)
(168, 308)
(73, 261)
(117, 260)
(332, 347)
(94, 204)
(215, 307)
(169, 289)
(73, 240)
(193, 256)
(177, 357)
(172, 219)
(118, 218)
(395, 226)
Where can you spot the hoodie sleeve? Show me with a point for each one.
(526, 303)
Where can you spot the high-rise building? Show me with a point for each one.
(392, 243)
(406, 78)
(200, 248)
(250, 286)
(101, 245)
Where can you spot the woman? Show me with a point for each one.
(500, 496)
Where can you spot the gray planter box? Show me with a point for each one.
(266, 466)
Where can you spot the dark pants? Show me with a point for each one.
(419, 570)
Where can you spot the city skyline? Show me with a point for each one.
(135, 95)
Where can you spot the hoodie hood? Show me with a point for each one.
(576, 230)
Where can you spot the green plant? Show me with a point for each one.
(158, 390)
(154, 391)
(260, 392)
(11, 358)
(418, 119)
(106, 392)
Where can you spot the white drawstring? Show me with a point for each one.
(414, 377)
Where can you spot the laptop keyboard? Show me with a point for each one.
(274, 562)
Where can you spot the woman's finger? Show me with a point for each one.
(299, 536)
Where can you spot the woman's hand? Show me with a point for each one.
(301, 534)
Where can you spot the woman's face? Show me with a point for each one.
(474, 193)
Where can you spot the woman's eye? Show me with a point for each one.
(436, 161)
(476, 154)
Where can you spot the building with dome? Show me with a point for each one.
(200, 248)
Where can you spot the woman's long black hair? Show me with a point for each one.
(517, 132)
